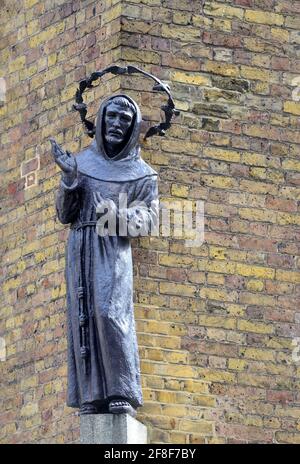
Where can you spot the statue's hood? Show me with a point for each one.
(126, 165)
(131, 147)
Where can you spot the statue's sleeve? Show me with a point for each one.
(141, 216)
(67, 201)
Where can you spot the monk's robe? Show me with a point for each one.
(103, 360)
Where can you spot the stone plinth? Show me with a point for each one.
(111, 429)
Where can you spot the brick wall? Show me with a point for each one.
(218, 324)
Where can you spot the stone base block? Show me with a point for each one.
(111, 429)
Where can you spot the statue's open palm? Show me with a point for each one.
(64, 159)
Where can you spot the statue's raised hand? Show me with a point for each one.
(66, 161)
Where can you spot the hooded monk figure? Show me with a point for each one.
(109, 195)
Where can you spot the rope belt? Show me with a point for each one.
(83, 318)
(80, 225)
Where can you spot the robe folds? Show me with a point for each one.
(99, 273)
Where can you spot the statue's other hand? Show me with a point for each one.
(98, 199)
(104, 204)
(64, 159)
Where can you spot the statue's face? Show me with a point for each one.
(117, 120)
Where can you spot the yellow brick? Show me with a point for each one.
(190, 78)
(286, 218)
(217, 321)
(215, 9)
(30, 3)
(33, 422)
(254, 214)
(68, 93)
(11, 350)
(177, 410)
(234, 309)
(80, 16)
(177, 289)
(176, 260)
(264, 17)
(17, 64)
(174, 384)
(22, 33)
(53, 73)
(271, 422)
(29, 409)
(256, 327)
(155, 355)
(255, 285)
(280, 34)
(157, 327)
(216, 441)
(29, 382)
(214, 279)
(182, 106)
(52, 59)
(10, 429)
(36, 81)
(181, 17)
(58, 386)
(257, 354)
(185, 33)
(288, 276)
(198, 426)
(196, 386)
(290, 192)
(237, 364)
(289, 438)
(33, 27)
(256, 271)
(180, 190)
(217, 376)
(175, 371)
(13, 121)
(292, 107)
(259, 60)
(260, 87)
(253, 159)
(225, 267)
(255, 421)
(48, 389)
(222, 68)
(219, 181)
(276, 177)
(111, 14)
(217, 252)
(204, 400)
(11, 284)
(246, 199)
(30, 289)
(291, 164)
(218, 153)
(217, 294)
(46, 34)
(258, 173)
(224, 25)
(3, 111)
(6, 312)
(288, 412)
(141, 56)
(178, 146)
(175, 357)
(10, 323)
(255, 73)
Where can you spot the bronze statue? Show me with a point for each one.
(103, 361)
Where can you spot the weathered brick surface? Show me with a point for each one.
(217, 324)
